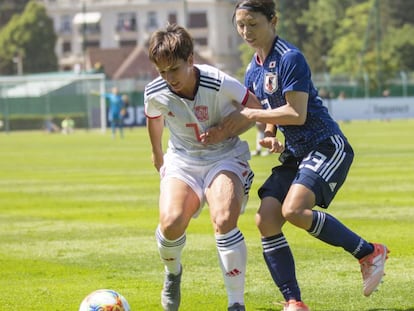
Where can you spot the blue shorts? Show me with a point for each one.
(323, 171)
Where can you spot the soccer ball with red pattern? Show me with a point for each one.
(104, 300)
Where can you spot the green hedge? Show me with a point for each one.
(37, 122)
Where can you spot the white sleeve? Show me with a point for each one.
(150, 110)
(234, 89)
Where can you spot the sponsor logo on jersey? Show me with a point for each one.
(201, 112)
(270, 82)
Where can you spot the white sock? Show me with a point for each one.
(170, 251)
(232, 253)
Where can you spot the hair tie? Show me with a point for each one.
(246, 7)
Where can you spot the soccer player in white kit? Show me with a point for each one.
(203, 163)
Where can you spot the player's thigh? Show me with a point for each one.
(298, 199)
(225, 191)
(225, 197)
(178, 203)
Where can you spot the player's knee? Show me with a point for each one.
(224, 222)
(261, 221)
(172, 226)
(269, 223)
(292, 213)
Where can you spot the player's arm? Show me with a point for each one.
(240, 123)
(234, 124)
(270, 130)
(155, 127)
(294, 112)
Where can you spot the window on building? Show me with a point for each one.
(66, 47)
(127, 43)
(197, 20)
(126, 22)
(65, 24)
(201, 41)
(152, 21)
(92, 44)
(91, 29)
(172, 18)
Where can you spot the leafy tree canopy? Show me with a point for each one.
(29, 38)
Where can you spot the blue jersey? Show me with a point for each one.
(115, 105)
(285, 69)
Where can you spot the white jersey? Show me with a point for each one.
(187, 119)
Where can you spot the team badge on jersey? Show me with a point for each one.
(201, 112)
(270, 82)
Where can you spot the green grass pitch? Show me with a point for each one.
(78, 213)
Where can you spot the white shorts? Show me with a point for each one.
(200, 176)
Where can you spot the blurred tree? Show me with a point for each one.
(10, 7)
(347, 53)
(401, 11)
(399, 44)
(358, 51)
(289, 12)
(398, 34)
(246, 54)
(321, 20)
(28, 41)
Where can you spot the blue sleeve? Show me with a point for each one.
(248, 76)
(294, 72)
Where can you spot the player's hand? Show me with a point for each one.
(213, 135)
(248, 113)
(273, 144)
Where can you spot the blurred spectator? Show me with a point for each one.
(115, 107)
(49, 126)
(323, 93)
(68, 126)
(341, 95)
(126, 105)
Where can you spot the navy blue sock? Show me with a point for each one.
(279, 260)
(330, 230)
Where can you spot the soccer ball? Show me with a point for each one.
(104, 300)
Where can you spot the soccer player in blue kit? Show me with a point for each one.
(315, 159)
(115, 106)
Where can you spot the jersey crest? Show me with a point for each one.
(270, 82)
(201, 112)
